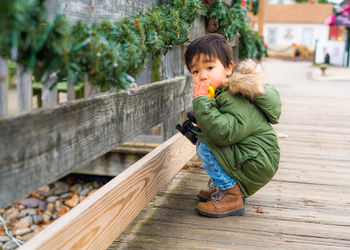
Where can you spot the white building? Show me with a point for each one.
(288, 24)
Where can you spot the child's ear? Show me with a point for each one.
(229, 69)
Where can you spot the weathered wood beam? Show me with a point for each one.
(3, 87)
(96, 10)
(98, 221)
(44, 145)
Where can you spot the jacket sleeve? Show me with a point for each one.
(223, 129)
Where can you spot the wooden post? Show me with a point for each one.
(70, 91)
(89, 89)
(24, 88)
(261, 11)
(49, 97)
(3, 87)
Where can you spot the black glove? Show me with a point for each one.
(188, 126)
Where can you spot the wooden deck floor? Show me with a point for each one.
(307, 204)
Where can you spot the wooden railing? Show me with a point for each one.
(44, 145)
(41, 146)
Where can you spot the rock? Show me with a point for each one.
(47, 216)
(22, 231)
(34, 228)
(91, 192)
(4, 239)
(64, 196)
(60, 185)
(52, 199)
(30, 202)
(28, 236)
(37, 219)
(10, 245)
(85, 191)
(58, 205)
(50, 207)
(45, 191)
(10, 214)
(42, 205)
(72, 202)
(26, 212)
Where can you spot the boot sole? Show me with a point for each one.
(204, 199)
(237, 212)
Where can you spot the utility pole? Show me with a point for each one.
(261, 10)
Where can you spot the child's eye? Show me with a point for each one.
(195, 72)
(210, 68)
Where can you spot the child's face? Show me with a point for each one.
(205, 71)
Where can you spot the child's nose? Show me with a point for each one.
(204, 77)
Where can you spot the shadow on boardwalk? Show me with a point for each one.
(306, 205)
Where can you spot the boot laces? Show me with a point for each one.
(218, 195)
(211, 185)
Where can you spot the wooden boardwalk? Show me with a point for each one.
(305, 206)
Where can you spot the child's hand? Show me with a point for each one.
(202, 89)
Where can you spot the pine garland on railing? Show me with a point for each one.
(111, 53)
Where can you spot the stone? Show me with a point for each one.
(22, 231)
(21, 224)
(85, 191)
(50, 207)
(52, 199)
(47, 216)
(34, 227)
(37, 219)
(26, 212)
(4, 239)
(28, 236)
(10, 245)
(30, 202)
(42, 205)
(64, 196)
(45, 191)
(58, 205)
(60, 185)
(72, 202)
(10, 214)
(91, 192)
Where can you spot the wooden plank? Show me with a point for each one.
(70, 91)
(42, 146)
(49, 93)
(89, 89)
(3, 87)
(96, 10)
(98, 220)
(24, 88)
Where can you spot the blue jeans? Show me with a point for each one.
(212, 167)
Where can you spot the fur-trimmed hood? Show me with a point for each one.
(247, 81)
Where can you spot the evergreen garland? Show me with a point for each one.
(231, 22)
(111, 53)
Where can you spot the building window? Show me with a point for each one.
(307, 37)
(280, 1)
(271, 36)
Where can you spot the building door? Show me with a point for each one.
(307, 38)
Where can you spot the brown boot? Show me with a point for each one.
(223, 203)
(205, 195)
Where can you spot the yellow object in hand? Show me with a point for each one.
(211, 92)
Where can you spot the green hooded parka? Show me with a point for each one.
(236, 127)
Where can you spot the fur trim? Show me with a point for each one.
(246, 80)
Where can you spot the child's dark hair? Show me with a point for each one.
(212, 45)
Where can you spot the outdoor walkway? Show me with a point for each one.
(305, 206)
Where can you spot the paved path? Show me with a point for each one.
(306, 205)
